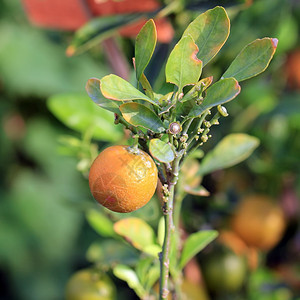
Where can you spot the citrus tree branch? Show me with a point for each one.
(169, 230)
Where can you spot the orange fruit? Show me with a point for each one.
(259, 222)
(90, 285)
(292, 69)
(235, 243)
(223, 271)
(123, 180)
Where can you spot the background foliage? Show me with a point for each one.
(44, 235)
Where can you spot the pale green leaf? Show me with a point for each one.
(195, 243)
(135, 231)
(127, 274)
(161, 231)
(161, 150)
(230, 151)
(116, 88)
(100, 223)
(79, 113)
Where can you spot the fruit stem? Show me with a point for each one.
(169, 231)
(135, 141)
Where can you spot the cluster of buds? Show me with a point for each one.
(166, 193)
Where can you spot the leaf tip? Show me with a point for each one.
(274, 42)
(237, 86)
(210, 79)
(70, 51)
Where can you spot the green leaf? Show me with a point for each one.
(230, 151)
(116, 88)
(147, 87)
(135, 231)
(144, 47)
(140, 115)
(195, 243)
(93, 89)
(109, 252)
(79, 113)
(100, 223)
(152, 250)
(184, 108)
(153, 276)
(147, 270)
(183, 67)
(200, 86)
(210, 31)
(161, 231)
(197, 191)
(252, 60)
(125, 273)
(161, 151)
(221, 92)
(186, 104)
(142, 269)
(97, 30)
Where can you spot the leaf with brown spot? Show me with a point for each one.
(137, 232)
(210, 31)
(183, 67)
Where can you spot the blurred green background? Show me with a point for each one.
(44, 235)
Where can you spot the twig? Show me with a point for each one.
(169, 231)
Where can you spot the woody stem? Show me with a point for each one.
(169, 231)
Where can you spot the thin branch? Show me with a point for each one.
(169, 231)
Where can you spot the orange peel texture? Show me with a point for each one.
(122, 180)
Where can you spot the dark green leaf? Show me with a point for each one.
(195, 243)
(93, 89)
(252, 60)
(210, 31)
(184, 108)
(140, 115)
(183, 67)
(116, 88)
(199, 87)
(188, 101)
(161, 151)
(144, 47)
(219, 93)
(100, 223)
(98, 30)
(231, 150)
(78, 112)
